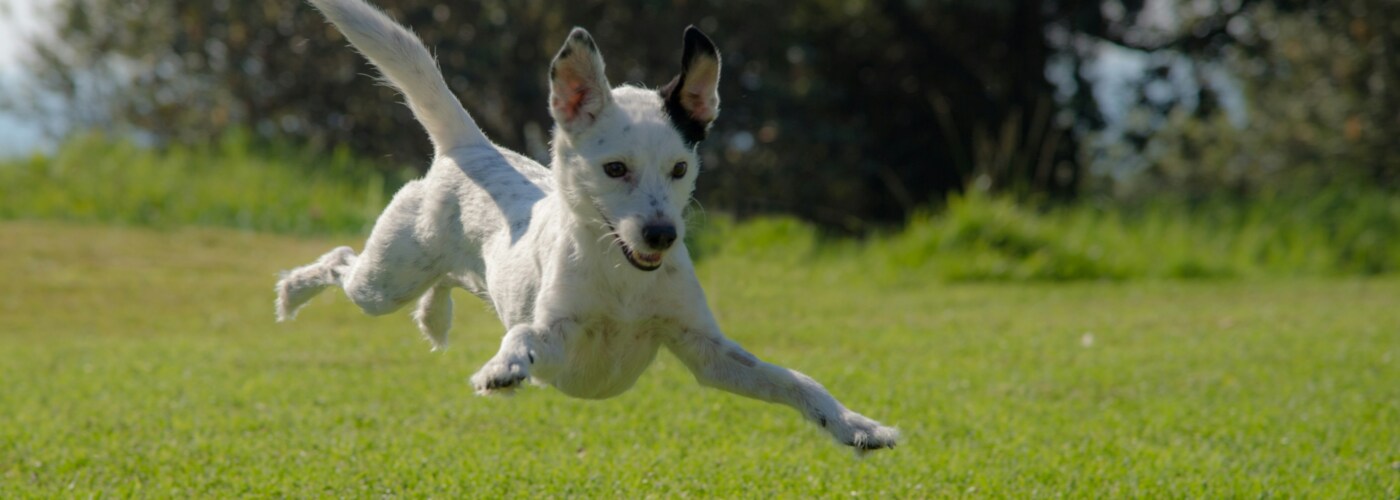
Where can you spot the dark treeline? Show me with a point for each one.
(843, 112)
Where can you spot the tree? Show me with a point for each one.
(1322, 95)
(843, 112)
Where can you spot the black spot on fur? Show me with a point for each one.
(582, 36)
(502, 383)
(692, 131)
(601, 141)
(578, 35)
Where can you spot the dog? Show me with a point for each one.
(584, 261)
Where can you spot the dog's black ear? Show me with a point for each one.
(692, 97)
(578, 89)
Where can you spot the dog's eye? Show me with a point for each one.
(678, 170)
(615, 169)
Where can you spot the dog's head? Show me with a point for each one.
(625, 158)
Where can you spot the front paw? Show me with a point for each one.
(863, 434)
(500, 376)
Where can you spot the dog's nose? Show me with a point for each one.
(659, 236)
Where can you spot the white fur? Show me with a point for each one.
(544, 247)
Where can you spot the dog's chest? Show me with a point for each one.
(606, 355)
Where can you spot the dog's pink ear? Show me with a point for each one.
(692, 98)
(578, 89)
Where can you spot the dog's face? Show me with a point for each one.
(625, 157)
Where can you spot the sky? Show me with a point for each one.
(18, 20)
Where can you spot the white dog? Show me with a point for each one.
(583, 261)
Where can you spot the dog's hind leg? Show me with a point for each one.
(402, 259)
(406, 251)
(299, 285)
(434, 314)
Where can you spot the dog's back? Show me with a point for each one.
(476, 194)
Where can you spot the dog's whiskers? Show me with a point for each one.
(607, 235)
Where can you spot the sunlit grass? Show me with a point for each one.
(142, 362)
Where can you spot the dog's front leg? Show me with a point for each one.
(721, 363)
(524, 348)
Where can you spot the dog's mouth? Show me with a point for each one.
(640, 260)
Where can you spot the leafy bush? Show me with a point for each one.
(1337, 231)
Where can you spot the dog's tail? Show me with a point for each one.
(409, 67)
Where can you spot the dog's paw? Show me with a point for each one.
(863, 434)
(297, 286)
(292, 295)
(500, 376)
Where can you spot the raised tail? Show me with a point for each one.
(409, 67)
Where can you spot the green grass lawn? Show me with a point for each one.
(140, 362)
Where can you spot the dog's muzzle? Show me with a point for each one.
(657, 236)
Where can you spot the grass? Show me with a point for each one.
(145, 363)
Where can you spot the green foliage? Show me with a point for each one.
(231, 183)
(784, 239)
(147, 364)
(234, 183)
(978, 238)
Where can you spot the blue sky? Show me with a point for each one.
(18, 19)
